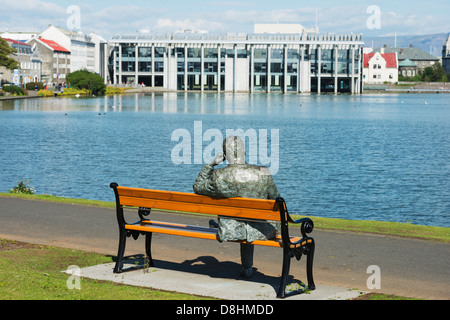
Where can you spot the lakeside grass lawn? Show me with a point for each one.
(34, 272)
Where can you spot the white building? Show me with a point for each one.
(380, 68)
(283, 62)
(81, 47)
(55, 60)
(19, 35)
(101, 54)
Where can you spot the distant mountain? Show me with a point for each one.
(431, 43)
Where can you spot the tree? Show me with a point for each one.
(5, 59)
(83, 79)
(436, 73)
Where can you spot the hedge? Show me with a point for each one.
(15, 91)
(32, 85)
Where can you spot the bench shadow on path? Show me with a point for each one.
(211, 267)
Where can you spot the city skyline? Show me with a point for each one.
(106, 18)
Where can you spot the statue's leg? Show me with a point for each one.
(247, 259)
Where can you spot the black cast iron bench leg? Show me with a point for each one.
(285, 273)
(120, 253)
(288, 254)
(309, 264)
(148, 248)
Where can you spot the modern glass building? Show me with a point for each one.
(239, 62)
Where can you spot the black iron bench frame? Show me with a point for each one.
(146, 199)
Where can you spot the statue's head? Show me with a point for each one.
(234, 150)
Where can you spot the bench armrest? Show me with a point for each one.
(307, 225)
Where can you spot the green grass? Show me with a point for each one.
(52, 198)
(33, 272)
(405, 230)
(382, 296)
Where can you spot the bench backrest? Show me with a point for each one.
(193, 203)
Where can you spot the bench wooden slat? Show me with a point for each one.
(178, 226)
(200, 208)
(259, 204)
(172, 231)
(195, 232)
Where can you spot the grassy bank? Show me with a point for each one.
(33, 272)
(406, 230)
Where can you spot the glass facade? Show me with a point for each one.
(260, 59)
(186, 62)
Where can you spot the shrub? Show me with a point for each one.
(15, 91)
(45, 93)
(32, 86)
(115, 90)
(23, 186)
(83, 79)
(73, 92)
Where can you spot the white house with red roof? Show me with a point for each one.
(55, 60)
(380, 68)
(80, 45)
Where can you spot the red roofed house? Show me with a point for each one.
(55, 60)
(380, 68)
(28, 61)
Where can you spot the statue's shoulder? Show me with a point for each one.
(261, 170)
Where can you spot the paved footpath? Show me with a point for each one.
(413, 268)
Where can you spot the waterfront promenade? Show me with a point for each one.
(411, 268)
(31, 94)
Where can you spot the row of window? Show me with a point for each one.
(258, 67)
(22, 50)
(260, 82)
(208, 53)
(30, 65)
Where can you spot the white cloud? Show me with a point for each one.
(35, 6)
(169, 25)
(109, 18)
(26, 15)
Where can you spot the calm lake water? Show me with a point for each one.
(371, 157)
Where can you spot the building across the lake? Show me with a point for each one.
(55, 60)
(266, 62)
(29, 64)
(380, 68)
(421, 58)
(446, 55)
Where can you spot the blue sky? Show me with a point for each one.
(110, 17)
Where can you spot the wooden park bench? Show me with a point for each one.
(239, 208)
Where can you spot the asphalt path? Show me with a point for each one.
(408, 267)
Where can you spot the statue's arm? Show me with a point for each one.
(204, 184)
